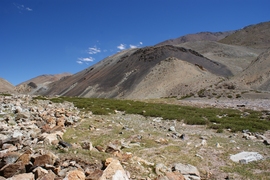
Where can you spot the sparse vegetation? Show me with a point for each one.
(5, 94)
(40, 98)
(233, 120)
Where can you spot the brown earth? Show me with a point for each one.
(256, 75)
(39, 83)
(256, 36)
(5, 86)
(202, 36)
(121, 75)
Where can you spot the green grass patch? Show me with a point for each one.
(5, 94)
(231, 118)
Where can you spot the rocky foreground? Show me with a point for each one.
(32, 145)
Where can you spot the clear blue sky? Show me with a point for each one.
(55, 36)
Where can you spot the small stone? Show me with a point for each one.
(172, 128)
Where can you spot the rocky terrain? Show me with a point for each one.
(256, 36)
(186, 66)
(5, 86)
(178, 68)
(45, 140)
(202, 36)
(39, 84)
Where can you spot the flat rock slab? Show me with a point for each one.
(246, 157)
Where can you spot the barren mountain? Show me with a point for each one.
(256, 36)
(39, 83)
(257, 74)
(193, 63)
(236, 58)
(143, 73)
(202, 36)
(5, 86)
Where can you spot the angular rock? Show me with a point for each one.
(246, 157)
(25, 157)
(44, 159)
(75, 175)
(187, 170)
(49, 176)
(24, 176)
(161, 169)
(171, 176)
(10, 170)
(39, 172)
(115, 171)
(93, 174)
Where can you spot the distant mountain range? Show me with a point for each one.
(193, 65)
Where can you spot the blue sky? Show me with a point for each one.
(54, 36)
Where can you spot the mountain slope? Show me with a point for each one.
(38, 83)
(256, 36)
(119, 75)
(6, 86)
(257, 74)
(202, 36)
(236, 58)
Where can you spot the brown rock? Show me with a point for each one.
(39, 172)
(25, 157)
(24, 176)
(10, 170)
(75, 175)
(44, 159)
(49, 176)
(93, 174)
(10, 157)
(175, 176)
(60, 122)
(108, 161)
(55, 129)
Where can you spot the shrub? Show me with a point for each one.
(191, 115)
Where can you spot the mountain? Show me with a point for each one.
(39, 83)
(202, 36)
(5, 86)
(143, 73)
(202, 64)
(257, 74)
(255, 36)
(236, 58)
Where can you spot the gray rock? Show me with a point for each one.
(172, 128)
(189, 172)
(246, 157)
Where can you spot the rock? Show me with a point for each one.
(24, 176)
(25, 157)
(187, 170)
(204, 142)
(39, 172)
(266, 141)
(246, 157)
(10, 170)
(44, 159)
(75, 175)
(93, 174)
(171, 176)
(49, 176)
(172, 128)
(115, 171)
(161, 169)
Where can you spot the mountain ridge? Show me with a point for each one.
(185, 66)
